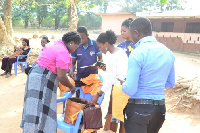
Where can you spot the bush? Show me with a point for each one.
(64, 21)
(48, 22)
(90, 20)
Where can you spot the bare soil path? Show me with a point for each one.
(177, 121)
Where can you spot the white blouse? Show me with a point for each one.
(116, 67)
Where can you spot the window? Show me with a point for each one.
(167, 26)
(192, 28)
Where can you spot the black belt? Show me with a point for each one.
(147, 101)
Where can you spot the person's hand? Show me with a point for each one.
(121, 81)
(72, 90)
(71, 74)
(94, 100)
(92, 67)
(103, 67)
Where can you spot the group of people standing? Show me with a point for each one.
(143, 66)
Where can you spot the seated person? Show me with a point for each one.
(8, 61)
(16, 52)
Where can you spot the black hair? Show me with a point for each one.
(46, 38)
(127, 22)
(82, 29)
(142, 25)
(27, 41)
(71, 36)
(108, 36)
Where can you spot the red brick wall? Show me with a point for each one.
(191, 47)
(173, 43)
(176, 43)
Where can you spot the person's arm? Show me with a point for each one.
(171, 78)
(98, 53)
(95, 98)
(107, 86)
(73, 64)
(24, 52)
(16, 53)
(131, 84)
(63, 62)
(20, 49)
(72, 68)
(62, 78)
(100, 57)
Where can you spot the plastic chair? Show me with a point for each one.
(101, 78)
(69, 128)
(21, 62)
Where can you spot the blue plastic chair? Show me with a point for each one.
(69, 128)
(21, 62)
(101, 78)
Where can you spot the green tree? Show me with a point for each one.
(162, 3)
(57, 11)
(90, 20)
(175, 5)
(23, 10)
(41, 11)
(139, 5)
(149, 5)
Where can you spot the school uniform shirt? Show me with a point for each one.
(86, 56)
(150, 70)
(127, 46)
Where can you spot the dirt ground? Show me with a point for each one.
(178, 119)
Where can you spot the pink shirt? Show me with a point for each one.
(54, 55)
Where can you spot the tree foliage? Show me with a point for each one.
(150, 5)
(55, 13)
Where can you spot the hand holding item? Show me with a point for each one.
(94, 100)
(121, 81)
(72, 90)
(103, 67)
(92, 67)
(71, 74)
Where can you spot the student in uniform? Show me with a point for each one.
(128, 45)
(85, 55)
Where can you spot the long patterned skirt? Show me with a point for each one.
(39, 113)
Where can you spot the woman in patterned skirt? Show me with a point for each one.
(39, 113)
